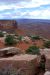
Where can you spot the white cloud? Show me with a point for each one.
(43, 14)
(30, 4)
(13, 10)
(13, 1)
(33, 3)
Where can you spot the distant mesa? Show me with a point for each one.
(8, 25)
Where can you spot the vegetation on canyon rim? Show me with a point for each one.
(14, 39)
(9, 40)
(1, 34)
(47, 44)
(33, 50)
(35, 37)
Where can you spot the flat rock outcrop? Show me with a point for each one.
(18, 65)
(8, 25)
(46, 52)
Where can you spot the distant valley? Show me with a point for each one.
(35, 26)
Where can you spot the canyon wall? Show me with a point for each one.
(8, 25)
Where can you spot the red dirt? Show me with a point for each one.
(23, 45)
(2, 45)
(20, 32)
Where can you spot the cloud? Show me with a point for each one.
(13, 1)
(12, 9)
(33, 3)
(43, 14)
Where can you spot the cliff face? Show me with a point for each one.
(8, 25)
(19, 65)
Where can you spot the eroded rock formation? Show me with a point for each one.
(8, 25)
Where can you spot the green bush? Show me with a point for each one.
(9, 40)
(35, 37)
(20, 38)
(1, 34)
(47, 44)
(33, 50)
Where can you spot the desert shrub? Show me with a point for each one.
(33, 50)
(35, 37)
(9, 40)
(1, 34)
(20, 38)
(47, 44)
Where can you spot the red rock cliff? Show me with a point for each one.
(8, 25)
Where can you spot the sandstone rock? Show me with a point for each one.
(48, 62)
(47, 73)
(8, 25)
(46, 52)
(9, 50)
(22, 64)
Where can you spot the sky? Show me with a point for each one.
(30, 9)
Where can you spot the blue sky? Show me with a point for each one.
(31, 9)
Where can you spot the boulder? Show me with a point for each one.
(9, 50)
(18, 65)
(47, 73)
